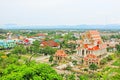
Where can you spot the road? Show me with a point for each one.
(41, 58)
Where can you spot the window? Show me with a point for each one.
(82, 52)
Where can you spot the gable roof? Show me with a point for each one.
(51, 43)
(26, 40)
(94, 48)
(91, 57)
(40, 34)
(60, 53)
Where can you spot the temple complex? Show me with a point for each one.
(60, 55)
(91, 44)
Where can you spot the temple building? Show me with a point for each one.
(91, 44)
(90, 59)
(60, 55)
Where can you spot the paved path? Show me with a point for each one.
(41, 58)
(38, 59)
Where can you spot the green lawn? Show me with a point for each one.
(116, 63)
(111, 74)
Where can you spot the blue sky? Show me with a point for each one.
(59, 12)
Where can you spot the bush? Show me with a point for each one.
(83, 77)
(103, 61)
(74, 62)
(109, 58)
(116, 63)
(51, 59)
(93, 67)
(70, 77)
(85, 69)
(31, 72)
(68, 67)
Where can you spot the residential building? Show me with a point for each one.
(7, 43)
(50, 43)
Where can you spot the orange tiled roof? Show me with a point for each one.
(60, 53)
(99, 42)
(94, 32)
(40, 34)
(91, 57)
(50, 43)
(86, 45)
(94, 48)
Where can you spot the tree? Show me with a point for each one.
(72, 46)
(36, 45)
(32, 72)
(109, 49)
(83, 77)
(57, 36)
(82, 61)
(118, 48)
(9, 59)
(51, 59)
(49, 50)
(30, 49)
(70, 77)
(2, 37)
(19, 49)
(35, 49)
(109, 58)
(63, 44)
(74, 62)
(93, 66)
(105, 38)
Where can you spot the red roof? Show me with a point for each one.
(91, 57)
(86, 45)
(94, 32)
(26, 40)
(41, 34)
(60, 53)
(94, 48)
(50, 43)
(89, 35)
(99, 42)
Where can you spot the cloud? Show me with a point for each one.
(59, 11)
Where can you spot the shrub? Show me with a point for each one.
(74, 62)
(109, 58)
(103, 61)
(68, 67)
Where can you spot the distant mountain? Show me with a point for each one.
(14, 26)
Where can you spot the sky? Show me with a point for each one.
(59, 12)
